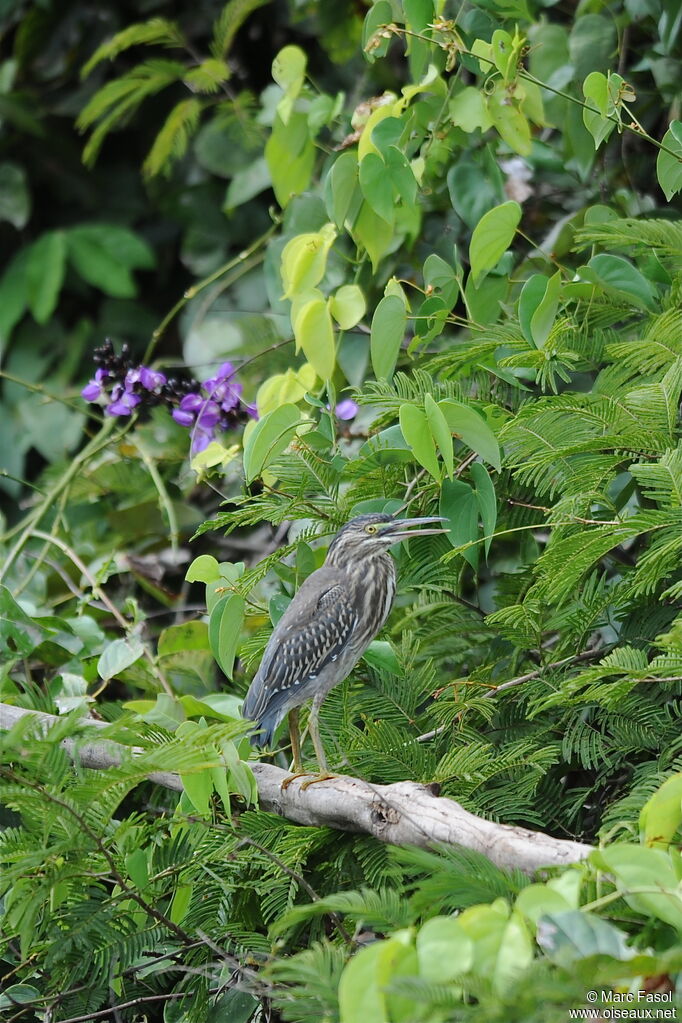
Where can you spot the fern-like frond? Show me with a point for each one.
(155, 32)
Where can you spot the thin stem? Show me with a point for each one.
(26, 526)
(194, 290)
(99, 594)
(39, 389)
(161, 489)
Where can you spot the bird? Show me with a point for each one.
(327, 627)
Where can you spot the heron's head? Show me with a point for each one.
(367, 535)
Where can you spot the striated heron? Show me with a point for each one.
(327, 627)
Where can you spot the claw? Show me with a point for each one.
(292, 777)
(324, 776)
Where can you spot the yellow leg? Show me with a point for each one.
(314, 730)
(295, 737)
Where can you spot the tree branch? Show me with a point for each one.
(404, 813)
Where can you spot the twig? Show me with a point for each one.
(586, 655)
(99, 594)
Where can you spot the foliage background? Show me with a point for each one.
(543, 667)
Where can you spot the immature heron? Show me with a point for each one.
(327, 627)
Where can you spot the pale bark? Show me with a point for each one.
(404, 813)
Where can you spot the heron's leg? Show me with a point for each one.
(295, 736)
(314, 729)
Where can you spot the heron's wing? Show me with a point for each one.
(311, 634)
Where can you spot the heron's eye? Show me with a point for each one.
(370, 529)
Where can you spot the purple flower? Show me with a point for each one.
(200, 440)
(191, 402)
(123, 401)
(151, 379)
(209, 415)
(346, 409)
(183, 418)
(94, 390)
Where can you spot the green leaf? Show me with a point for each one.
(348, 306)
(136, 865)
(288, 67)
(304, 260)
(380, 654)
(458, 505)
(416, 430)
(374, 185)
(596, 92)
(661, 815)
(440, 275)
(247, 183)
(224, 629)
(538, 304)
(401, 174)
(472, 429)
(228, 23)
(118, 656)
(474, 188)
(269, 437)
(97, 266)
(444, 950)
(290, 156)
(509, 121)
(203, 569)
(615, 273)
(184, 637)
(635, 866)
(387, 333)
(669, 167)
(156, 31)
(503, 53)
(469, 110)
(515, 954)
(539, 900)
(341, 185)
(19, 633)
(45, 267)
(314, 333)
(364, 988)
(487, 502)
(18, 994)
(183, 893)
(569, 936)
(492, 237)
(440, 431)
(15, 199)
(173, 139)
(372, 233)
(375, 45)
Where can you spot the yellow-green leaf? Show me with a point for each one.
(440, 431)
(492, 237)
(304, 260)
(417, 433)
(314, 333)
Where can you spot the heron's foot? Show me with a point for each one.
(322, 776)
(292, 777)
(311, 779)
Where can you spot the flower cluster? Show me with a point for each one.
(212, 406)
(206, 408)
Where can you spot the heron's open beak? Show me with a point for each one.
(399, 529)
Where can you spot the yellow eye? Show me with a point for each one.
(370, 529)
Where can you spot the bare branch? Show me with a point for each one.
(404, 813)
